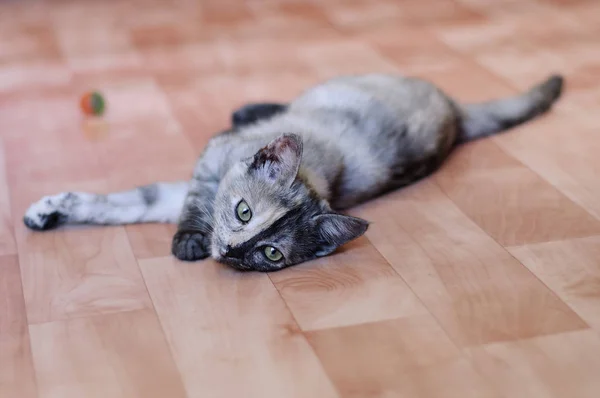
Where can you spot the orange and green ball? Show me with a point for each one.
(92, 104)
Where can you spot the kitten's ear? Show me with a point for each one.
(280, 160)
(336, 230)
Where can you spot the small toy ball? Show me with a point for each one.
(92, 104)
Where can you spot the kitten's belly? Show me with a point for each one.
(390, 130)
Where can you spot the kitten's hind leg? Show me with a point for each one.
(252, 113)
(160, 202)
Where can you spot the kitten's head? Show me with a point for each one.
(267, 218)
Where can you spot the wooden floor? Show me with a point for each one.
(481, 281)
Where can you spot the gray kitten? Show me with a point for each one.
(265, 194)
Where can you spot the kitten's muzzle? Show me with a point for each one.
(232, 258)
(235, 253)
(225, 251)
(234, 263)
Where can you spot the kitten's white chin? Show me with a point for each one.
(217, 249)
(215, 252)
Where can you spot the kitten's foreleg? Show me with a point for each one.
(160, 202)
(192, 240)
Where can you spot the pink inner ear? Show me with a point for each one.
(278, 146)
(277, 149)
(280, 159)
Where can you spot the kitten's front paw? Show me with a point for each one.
(44, 215)
(190, 246)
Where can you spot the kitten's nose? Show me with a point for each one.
(225, 251)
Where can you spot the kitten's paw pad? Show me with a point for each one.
(43, 215)
(190, 246)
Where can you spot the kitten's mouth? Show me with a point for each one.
(234, 263)
(219, 253)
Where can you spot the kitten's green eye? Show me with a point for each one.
(273, 254)
(243, 211)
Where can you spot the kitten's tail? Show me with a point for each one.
(487, 118)
(159, 202)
